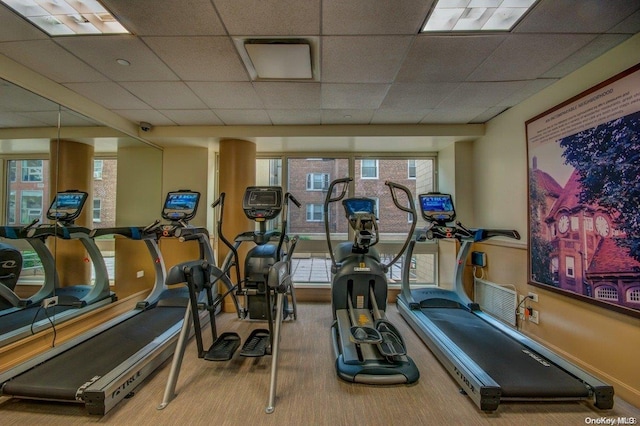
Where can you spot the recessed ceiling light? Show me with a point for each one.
(67, 17)
(476, 15)
(123, 62)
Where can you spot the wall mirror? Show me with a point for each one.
(60, 179)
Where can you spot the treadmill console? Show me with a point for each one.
(180, 205)
(67, 206)
(262, 203)
(437, 207)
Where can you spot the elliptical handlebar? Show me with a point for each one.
(289, 196)
(461, 233)
(411, 209)
(328, 200)
(236, 259)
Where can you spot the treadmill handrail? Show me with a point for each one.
(131, 232)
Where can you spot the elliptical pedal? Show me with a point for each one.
(392, 343)
(223, 348)
(256, 344)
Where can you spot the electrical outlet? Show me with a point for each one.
(533, 296)
(534, 317)
(49, 302)
(139, 274)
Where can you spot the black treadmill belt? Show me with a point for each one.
(520, 372)
(60, 377)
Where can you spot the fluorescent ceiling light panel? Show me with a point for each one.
(476, 15)
(281, 61)
(67, 17)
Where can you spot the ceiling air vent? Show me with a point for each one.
(278, 59)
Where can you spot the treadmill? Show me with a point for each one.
(491, 361)
(73, 300)
(103, 366)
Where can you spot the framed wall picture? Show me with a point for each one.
(584, 195)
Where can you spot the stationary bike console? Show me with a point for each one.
(67, 206)
(180, 205)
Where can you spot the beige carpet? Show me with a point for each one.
(309, 393)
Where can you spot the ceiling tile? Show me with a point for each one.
(416, 96)
(14, 98)
(282, 17)
(458, 114)
(352, 96)
(200, 58)
(631, 25)
(10, 120)
(355, 59)
(51, 61)
(354, 17)
(228, 95)
(528, 56)
(286, 95)
(570, 16)
(15, 28)
(239, 117)
(108, 94)
(192, 117)
(295, 116)
(347, 116)
(165, 95)
(527, 90)
(395, 116)
(102, 52)
(446, 58)
(147, 115)
(586, 54)
(480, 94)
(167, 17)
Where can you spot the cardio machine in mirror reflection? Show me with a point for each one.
(31, 130)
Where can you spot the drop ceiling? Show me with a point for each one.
(376, 74)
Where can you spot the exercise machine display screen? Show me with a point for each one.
(180, 205)
(262, 202)
(359, 205)
(437, 207)
(67, 206)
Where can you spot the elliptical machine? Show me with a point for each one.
(268, 277)
(368, 348)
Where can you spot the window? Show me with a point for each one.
(411, 169)
(633, 295)
(30, 206)
(369, 169)
(317, 181)
(97, 169)
(315, 213)
(32, 171)
(97, 204)
(11, 214)
(570, 266)
(574, 223)
(308, 180)
(606, 292)
(12, 171)
(588, 224)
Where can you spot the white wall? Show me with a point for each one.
(600, 340)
